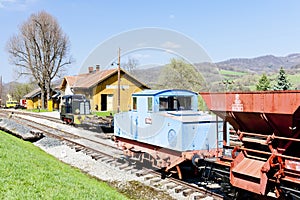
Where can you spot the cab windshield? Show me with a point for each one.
(173, 103)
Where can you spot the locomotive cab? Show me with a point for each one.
(73, 108)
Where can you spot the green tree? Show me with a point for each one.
(263, 83)
(181, 75)
(282, 83)
(18, 90)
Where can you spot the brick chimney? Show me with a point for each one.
(97, 68)
(91, 69)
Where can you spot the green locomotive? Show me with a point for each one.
(74, 109)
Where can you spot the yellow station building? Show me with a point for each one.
(101, 88)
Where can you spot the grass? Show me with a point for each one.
(37, 110)
(251, 82)
(232, 73)
(294, 79)
(103, 113)
(27, 172)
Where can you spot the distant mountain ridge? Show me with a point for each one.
(267, 63)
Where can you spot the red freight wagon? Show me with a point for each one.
(268, 125)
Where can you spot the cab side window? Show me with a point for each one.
(134, 103)
(163, 103)
(150, 105)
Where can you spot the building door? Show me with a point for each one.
(110, 100)
(103, 102)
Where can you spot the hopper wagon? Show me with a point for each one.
(268, 126)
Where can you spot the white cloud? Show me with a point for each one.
(170, 45)
(16, 5)
(6, 3)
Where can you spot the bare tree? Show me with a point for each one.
(130, 65)
(40, 50)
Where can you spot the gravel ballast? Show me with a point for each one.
(124, 181)
(21, 131)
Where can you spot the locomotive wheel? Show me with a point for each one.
(148, 160)
(165, 174)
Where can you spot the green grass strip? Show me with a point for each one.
(234, 73)
(36, 110)
(27, 172)
(103, 113)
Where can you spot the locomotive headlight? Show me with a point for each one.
(172, 137)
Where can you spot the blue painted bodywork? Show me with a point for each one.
(169, 119)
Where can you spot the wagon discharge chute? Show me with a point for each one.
(268, 125)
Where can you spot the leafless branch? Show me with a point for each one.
(40, 50)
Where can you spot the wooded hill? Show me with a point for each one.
(243, 73)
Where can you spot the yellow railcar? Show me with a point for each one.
(11, 104)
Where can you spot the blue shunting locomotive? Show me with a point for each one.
(169, 119)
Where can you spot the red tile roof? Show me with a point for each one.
(89, 80)
(93, 78)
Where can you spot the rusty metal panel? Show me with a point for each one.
(260, 112)
(246, 173)
(284, 102)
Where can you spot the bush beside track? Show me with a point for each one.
(27, 172)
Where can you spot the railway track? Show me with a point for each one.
(98, 147)
(79, 138)
(33, 114)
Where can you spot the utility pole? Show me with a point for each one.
(119, 79)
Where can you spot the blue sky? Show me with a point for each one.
(224, 29)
